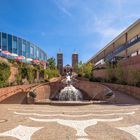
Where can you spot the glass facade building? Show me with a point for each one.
(21, 47)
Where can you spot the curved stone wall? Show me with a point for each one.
(95, 91)
(90, 90)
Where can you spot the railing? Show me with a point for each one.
(122, 48)
(16, 90)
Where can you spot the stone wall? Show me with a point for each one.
(132, 63)
(130, 90)
(7, 92)
(43, 92)
(89, 90)
(93, 90)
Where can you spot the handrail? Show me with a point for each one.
(6, 95)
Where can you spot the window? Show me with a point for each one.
(19, 46)
(0, 41)
(23, 47)
(15, 44)
(10, 43)
(31, 50)
(37, 53)
(28, 49)
(4, 42)
(42, 54)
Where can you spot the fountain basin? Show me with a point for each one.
(68, 103)
(93, 93)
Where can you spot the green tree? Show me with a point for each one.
(52, 64)
(87, 70)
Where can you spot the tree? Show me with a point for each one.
(52, 64)
(87, 70)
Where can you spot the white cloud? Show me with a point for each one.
(107, 23)
(64, 5)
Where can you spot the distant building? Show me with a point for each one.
(68, 69)
(74, 59)
(17, 46)
(60, 62)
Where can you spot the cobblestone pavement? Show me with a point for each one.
(88, 122)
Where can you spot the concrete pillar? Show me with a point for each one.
(104, 53)
(126, 39)
(113, 49)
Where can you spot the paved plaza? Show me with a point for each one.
(88, 122)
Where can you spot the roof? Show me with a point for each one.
(115, 39)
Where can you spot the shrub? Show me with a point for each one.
(51, 73)
(30, 73)
(18, 78)
(79, 75)
(96, 79)
(32, 94)
(4, 71)
(136, 77)
(119, 73)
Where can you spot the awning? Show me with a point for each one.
(36, 61)
(29, 59)
(20, 58)
(13, 54)
(43, 63)
(6, 52)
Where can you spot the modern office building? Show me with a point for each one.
(74, 59)
(124, 46)
(21, 47)
(60, 62)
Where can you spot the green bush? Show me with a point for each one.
(79, 75)
(32, 94)
(4, 71)
(136, 77)
(25, 71)
(30, 73)
(50, 73)
(119, 74)
(97, 79)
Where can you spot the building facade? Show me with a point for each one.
(60, 62)
(74, 59)
(124, 46)
(21, 47)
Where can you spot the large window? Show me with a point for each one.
(15, 45)
(10, 43)
(37, 53)
(19, 46)
(31, 50)
(0, 41)
(41, 53)
(28, 49)
(4, 42)
(24, 48)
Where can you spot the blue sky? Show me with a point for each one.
(82, 25)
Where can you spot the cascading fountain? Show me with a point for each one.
(69, 93)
